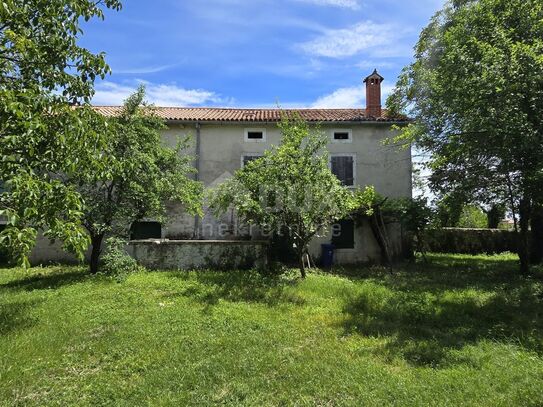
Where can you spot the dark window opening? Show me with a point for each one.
(343, 168)
(145, 230)
(343, 234)
(341, 136)
(255, 135)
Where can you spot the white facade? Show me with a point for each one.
(223, 147)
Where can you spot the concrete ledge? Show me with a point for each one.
(163, 254)
(199, 242)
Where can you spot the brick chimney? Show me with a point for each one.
(373, 94)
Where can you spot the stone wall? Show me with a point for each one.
(199, 254)
(470, 241)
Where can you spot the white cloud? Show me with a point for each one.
(350, 41)
(396, 50)
(352, 4)
(343, 97)
(375, 64)
(111, 93)
(351, 97)
(143, 70)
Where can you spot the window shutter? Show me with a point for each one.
(343, 168)
(336, 167)
(349, 171)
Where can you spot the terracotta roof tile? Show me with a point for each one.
(217, 114)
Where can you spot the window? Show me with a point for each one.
(343, 234)
(342, 136)
(255, 135)
(145, 230)
(245, 158)
(343, 167)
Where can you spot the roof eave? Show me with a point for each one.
(267, 122)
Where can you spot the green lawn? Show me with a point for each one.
(458, 331)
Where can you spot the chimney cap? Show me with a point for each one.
(374, 75)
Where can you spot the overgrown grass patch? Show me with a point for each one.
(460, 330)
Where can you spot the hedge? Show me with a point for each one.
(470, 241)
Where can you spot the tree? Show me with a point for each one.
(472, 217)
(413, 214)
(369, 207)
(142, 176)
(495, 215)
(42, 73)
(475, 92)
(291, 187)
(449, 210)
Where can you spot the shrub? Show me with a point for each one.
(116, 262)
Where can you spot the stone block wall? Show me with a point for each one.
(199, 254)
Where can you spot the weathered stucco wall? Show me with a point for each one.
(221, 149)
(222, 145)
(199, 254)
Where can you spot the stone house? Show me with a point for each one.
(224, 139)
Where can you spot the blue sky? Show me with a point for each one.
(255, 53)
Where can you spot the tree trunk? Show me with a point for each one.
(536, 255)
(300, 248)
(96, 250)
(524, 241)
(512, 203)
(302, 267)
(420, 246)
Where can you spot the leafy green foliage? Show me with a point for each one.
(447, 332)
(473, 217)
(475, 91)
(365, 201)
(495, 215)
(448, 210)
(42, 72)
(39, 50)
(453, 211)
(142, 175)
(413, 213)
(291, 187)
(116, 262)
